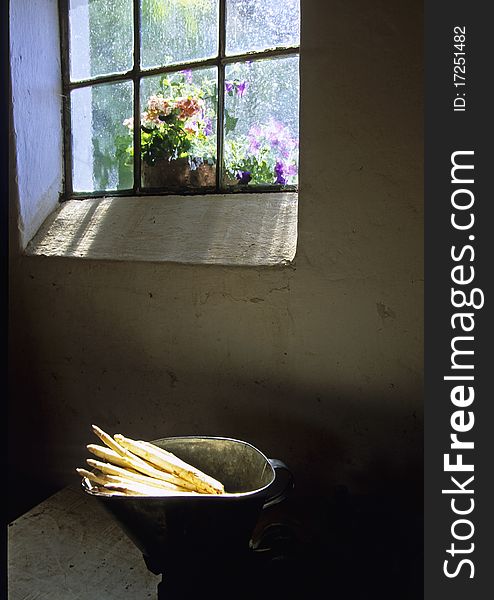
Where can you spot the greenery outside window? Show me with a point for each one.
(212, 84)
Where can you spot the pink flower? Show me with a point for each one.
(159, 104)
(188, 107)
(157, 107)
(150, 117)
(192, 126)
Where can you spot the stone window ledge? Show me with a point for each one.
(240, 229)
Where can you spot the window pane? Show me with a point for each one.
(178, 129)
(101, 142)
(260, 24)
(175, 31)
(261, 122)
(101, 34)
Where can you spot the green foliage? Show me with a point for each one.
(169, 140)
(238, 159)
(113, 144)
(107, 166)
(175, 30)
(124, 154)
(189, 10)
(230, 122)
(103, 163)
(178, 122)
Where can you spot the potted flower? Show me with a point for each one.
(267, 155)
(264, 154)
(177, 145)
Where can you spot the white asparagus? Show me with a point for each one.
(109, 469)
(139, 489)
(150, 490)
(139, 468)
(136, 464)
(108, 492)
(93, 477)
(110, 442)
(100, 479)
(171, 463)
(109, 455)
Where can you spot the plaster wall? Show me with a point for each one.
(318, 363)
(36, 120)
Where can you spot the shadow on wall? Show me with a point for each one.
(378, 453)
(81, 356)
(365, 543)
(356, 510)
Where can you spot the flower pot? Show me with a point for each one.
(165, 173)
(203, 176)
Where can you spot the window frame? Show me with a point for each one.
(135, 75)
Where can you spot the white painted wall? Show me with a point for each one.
(37, 104)
(320, 363)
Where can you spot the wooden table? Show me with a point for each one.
(69, 548)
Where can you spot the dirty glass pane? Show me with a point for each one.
(178, 129)
(101, 142)
(261, 122)
(101, 34)
(254, 25)
(175, 31)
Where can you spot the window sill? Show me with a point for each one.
(244, 229)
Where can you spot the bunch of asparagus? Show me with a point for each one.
(137, 468)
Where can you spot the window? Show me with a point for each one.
(214, 86)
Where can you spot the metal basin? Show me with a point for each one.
(171, 529)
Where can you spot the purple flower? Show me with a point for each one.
(275, 127)
(234, 87)
(255, 134)
(243, 176)
(275, 132)
(279, 170)
(254, 145)
(188, 75)
(255, 131)
(241, 87)
(208, 128)
(279, 167)
(292, 169)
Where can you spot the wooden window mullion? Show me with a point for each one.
(220, 112)
(137, 96)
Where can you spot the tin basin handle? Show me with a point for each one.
(282, 484)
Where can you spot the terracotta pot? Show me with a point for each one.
(177, 173)
(203, 176)
(167, 173)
